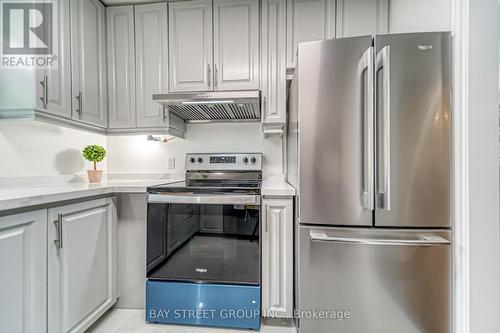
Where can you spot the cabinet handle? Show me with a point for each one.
(44, 84)
(216, 79)
(59, 227)
(80, 107)
(264, 106)
(209, 73)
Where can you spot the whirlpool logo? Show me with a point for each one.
(424, 47)
(27, 34)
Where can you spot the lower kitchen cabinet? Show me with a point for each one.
(277, 257)
(23, 277)
(82, 265)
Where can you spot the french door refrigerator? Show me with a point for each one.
(369, 151)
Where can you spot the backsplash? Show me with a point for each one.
(34, 149)
(134, 154)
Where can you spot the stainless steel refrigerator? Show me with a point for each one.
(369, 151)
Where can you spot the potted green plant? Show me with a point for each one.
(94, 153)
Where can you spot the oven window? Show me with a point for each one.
(204, 243)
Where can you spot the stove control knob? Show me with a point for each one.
(192, 160)
(245, 159)
(200, 160)
(253, 160)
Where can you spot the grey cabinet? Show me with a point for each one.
(277, 257)
(190, 46)
(151, 67)
(82, 259)
(53, 91)
(361, 17)
(308, 20)
(121, 66)
(420, 16)
(273, 66)
(236, 44)
(214, 45)
(23, 278)
(88, 59)
(138, 68)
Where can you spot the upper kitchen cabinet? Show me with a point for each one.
(273, 66)
(236, 44)
(138, 68)
(419, 16)
(191, 46)
(308, 20)
(53, 90)
(88, 57)
(214, 45)
(361, 17)
(151, 45)
(121, 66)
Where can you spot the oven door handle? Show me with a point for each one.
(212, 199)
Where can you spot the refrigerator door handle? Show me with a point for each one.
(365, 69)
(420, 241)
(383, 64)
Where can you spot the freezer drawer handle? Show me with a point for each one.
(423, 241)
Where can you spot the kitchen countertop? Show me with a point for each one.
(26, 195)
(13, 197)
(276, 186)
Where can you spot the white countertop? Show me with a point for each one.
(26, 195)
(12, 197)
(276, 186)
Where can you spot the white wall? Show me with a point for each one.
(478, 215)
(31, 148)
(133, 154)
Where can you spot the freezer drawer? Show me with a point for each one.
(388, 280)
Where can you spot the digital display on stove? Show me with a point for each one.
(222, 159)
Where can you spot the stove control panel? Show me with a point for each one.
(226, 161)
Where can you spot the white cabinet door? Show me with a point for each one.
(88, 53)
(151, 49)
(121, 67)
(190, 45)
(361, 17)
(273, 65)
(420, 16)
(54, 88)
(277, 258)
(23, 277)
(236, 44)
(82, 265)
(308, 20)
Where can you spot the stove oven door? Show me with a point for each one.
(196, 239)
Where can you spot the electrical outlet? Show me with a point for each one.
(171, 162)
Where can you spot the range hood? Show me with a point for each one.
(213, 106)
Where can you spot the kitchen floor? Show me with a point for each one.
(132, 321)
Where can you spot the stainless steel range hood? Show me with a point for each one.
(213, 106)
